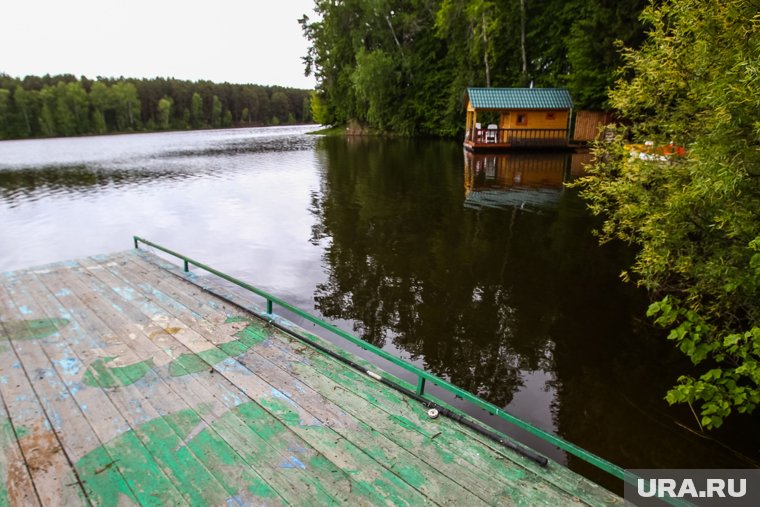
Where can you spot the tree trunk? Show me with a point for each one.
(485, 53)
(129, 113)
(393, 32)
(522, 41)
(26, 120)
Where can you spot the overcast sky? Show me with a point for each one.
(239, 41)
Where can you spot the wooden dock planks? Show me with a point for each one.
(122, 383)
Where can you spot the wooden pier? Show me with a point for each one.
(124, 384)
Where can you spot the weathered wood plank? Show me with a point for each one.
(415, 439)
(16, 488)
(400, 460)
(144, 461)
(205, 442)
(418, 436)
(189, 389)
(360, 472)
(488, 457)
(37, 421)
(91, 424)
(134, 402)
(315, 407)
(224, 407)
(323, 479)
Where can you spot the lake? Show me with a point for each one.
(481, 269)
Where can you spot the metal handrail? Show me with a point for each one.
(520, 136)
(422, 375)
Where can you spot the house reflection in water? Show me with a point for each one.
(525, 180)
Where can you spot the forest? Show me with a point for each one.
(403, 66)
(49, 106)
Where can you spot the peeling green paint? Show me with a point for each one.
(98, 374)
(177, 460)
(7, 438)
(230, 469)
(282, 411)
(163, 463)
(102, 469)
(236, 318)
(261, 489)
(410, 474)
(33, 329)
(194, 363)
(392, 488)
(21, 431)
(406, 423)
(254, 416)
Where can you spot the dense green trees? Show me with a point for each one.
(695, 82)
(403, 66)
(67, 106)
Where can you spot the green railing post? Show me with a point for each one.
(420, 385)
(269, 306)
(187, 267)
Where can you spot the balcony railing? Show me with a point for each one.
(518, 137)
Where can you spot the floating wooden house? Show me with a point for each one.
(510, 118)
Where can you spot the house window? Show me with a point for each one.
(549, 116)
(522, 119)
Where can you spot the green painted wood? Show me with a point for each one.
(485, 486)
(360, 472)
(559, 442)
(348, 457)
(418, 437)
(36, 419)
(316, 405)
(323, 480)
(88, 418)
(134, 325)
(182, 468)
(438, 460)
(487, 456)
(233, 411)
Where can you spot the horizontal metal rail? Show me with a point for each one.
(422, 375)
(520, 136)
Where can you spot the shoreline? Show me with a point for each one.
(124, 133)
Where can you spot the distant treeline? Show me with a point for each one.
(68, 106)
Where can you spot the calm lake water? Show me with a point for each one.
(483, 270)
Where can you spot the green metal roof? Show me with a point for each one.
(520, 98)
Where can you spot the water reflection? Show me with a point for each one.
(240, 205)
(474, 290)
(456, 268)
(527, 180)
(80, 166)
(32, 183)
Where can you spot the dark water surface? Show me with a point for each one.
(481, 269)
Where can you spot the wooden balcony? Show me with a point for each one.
(511, 138)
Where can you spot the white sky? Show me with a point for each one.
(239, 41)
